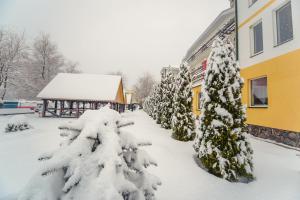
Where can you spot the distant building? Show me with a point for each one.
(69, 95)
(131, 100)
(196, 56)
(174, 70)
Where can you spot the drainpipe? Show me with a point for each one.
(236, 29)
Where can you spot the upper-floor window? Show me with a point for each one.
(284, 24)
(256, 32)
(251, 2)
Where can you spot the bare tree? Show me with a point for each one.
(143, 87)
(12, 53)
(71, 67)
(45, 62)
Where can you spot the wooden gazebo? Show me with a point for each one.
(69, 95)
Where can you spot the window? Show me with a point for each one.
(256, 38)
(251, 2)
(199, 100)
(259, 96)
(284, 24)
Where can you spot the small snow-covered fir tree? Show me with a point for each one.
(150, 102)
(168, 90)
(183, 121)
(221, 144)
(158, 104)
(97, 161)
(17, 123)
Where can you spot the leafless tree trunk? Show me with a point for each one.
(143, 87)
(12, 52)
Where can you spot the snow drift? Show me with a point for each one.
(96, 160)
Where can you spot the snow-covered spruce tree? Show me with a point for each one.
(158, 104)
(168, 90)
(183, 122)
(221, 144)
(97, 161)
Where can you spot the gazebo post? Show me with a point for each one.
(55, 106)
(44, 107)
(71, 107)
(62, 104)
(77, 109)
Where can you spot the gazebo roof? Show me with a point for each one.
(86, 87)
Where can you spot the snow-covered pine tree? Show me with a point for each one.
(168, 90)
(97, 161)
(150, 103)
(158, 104)
(221, 144)
(183, 121)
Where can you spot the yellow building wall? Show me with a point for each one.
(196, 90)
(283, 79)
(120, 95)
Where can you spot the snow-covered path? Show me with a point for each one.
(277, 169)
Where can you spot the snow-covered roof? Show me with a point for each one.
(90, 87)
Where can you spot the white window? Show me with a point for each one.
(251, 2)
(259, 94)
(256, 35)
(284, 24)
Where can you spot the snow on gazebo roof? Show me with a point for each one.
(89, 87)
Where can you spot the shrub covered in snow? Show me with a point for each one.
(17, 123)
(97, 160)
(221, 144)
(168, 90)
(150, 102)
(183, 122)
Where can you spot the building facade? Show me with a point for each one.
(267, 39)
(269, 55)
(174, 71)
(196, 56)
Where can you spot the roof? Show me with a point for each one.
(219, 21)
(90, 87)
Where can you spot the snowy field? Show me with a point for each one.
(277, 169)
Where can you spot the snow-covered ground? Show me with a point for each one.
(277, 169)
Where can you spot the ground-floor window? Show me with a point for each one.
(259, 95)
(199, 100)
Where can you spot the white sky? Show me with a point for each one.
(133, 36)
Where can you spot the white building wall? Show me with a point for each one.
(268, 22)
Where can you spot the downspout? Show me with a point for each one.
(236, 29)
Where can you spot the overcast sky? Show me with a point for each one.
(133, 36)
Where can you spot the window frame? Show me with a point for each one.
(250, 93)
(251, 30)
(251, 3)
(275, 27)
(199, 100)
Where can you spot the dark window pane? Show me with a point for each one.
(258, 38)
(284, 23)
(199, 100)
(259, 96)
